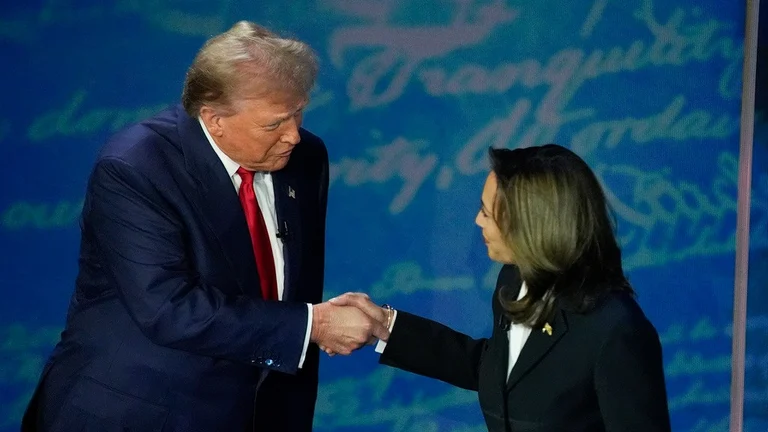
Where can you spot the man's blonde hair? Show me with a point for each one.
(247, 60)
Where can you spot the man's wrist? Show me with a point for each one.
(318, 318)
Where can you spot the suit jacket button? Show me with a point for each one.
(269, 362)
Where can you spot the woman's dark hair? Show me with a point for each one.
(554, 216)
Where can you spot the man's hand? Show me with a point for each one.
(343, 329)
(363, 303)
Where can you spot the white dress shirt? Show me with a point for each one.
(517, 335)
(265, 196)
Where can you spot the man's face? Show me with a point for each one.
(263, 131)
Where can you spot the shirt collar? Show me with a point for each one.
(523, 291)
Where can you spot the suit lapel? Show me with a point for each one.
(289, 221)
(218, 202)
(509, 279)
(539, 343)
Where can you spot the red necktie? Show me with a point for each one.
(262, 247)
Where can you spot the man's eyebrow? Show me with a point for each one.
(291, 114)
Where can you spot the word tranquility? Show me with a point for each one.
(403, 54)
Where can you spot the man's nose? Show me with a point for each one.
(291, 134)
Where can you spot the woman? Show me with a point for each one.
(572, 350)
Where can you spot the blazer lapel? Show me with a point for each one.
(219, 203)
(539, 343)
(511, 282)
(288, 214)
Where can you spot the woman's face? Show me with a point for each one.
(498, 250)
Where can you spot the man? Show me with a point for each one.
(201, 262)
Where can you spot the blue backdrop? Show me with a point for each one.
(409, 97)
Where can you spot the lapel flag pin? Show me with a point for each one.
(547, 329)
(291, 192)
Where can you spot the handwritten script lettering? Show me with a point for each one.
(361, 402)
(27, 26)
(688, 363)
(24, 214)
(663, 220)
(74, 120)
(401, 160)
(401, 53)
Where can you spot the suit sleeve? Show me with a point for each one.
(629, 380)
(433, 350)
(142, 242)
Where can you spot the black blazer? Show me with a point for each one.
(599, 371)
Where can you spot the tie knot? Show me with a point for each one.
(245, 175)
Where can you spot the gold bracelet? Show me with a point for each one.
(390, 313)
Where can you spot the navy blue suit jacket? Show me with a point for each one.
(167, 329)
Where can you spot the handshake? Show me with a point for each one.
(346, 323)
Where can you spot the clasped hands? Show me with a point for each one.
(348, 322)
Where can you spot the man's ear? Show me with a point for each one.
(212, 121)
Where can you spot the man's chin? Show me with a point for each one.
(280, 162)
